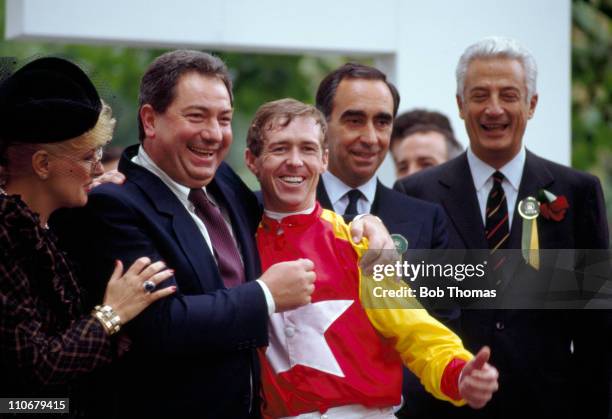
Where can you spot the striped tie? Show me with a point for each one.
(496, 229)
(224, 246)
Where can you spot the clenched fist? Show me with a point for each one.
(291, 283)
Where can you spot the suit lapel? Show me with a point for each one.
(385, 207)
(535, 177)
(168, 206)
(322, 196)
(461, 203)
(379, 205)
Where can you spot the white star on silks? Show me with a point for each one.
(297, 337)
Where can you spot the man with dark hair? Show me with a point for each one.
(182, 204)
(422, 139)
(359, 104)
(192, 355)
(420, 117)
(552, 363)
(159, 83)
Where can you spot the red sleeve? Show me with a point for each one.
(450, 378)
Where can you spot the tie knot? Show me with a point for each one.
(198, 197)
(498, 176)
(354, 195)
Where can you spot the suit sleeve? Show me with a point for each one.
(42, 357)
(220, 320)
(439, 239)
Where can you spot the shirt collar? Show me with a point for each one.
(280, 215)
(336, 189)
(481, 171)
(181, 191)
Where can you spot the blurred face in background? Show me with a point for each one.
(418, 151)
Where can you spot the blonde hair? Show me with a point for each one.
(18, 156)
(98, 136)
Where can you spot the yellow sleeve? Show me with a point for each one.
(425, 345)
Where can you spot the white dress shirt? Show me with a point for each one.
(483, 182)
(143, 160)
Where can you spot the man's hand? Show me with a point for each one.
(478, 380)
(112, 176)
(381, 250)
(372, 228)
(291, 283)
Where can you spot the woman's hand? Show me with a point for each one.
(126, 293)
(112, 176)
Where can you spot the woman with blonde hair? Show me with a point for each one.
(53, 126)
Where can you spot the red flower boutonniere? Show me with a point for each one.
(552, 207)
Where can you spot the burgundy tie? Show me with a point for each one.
(224, 247)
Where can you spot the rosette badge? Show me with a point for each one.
(552, 207)
(529, 209)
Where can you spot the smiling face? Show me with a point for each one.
(289, 165)
(192, 137)
(70, 177)
(495, 108)
(359, 129)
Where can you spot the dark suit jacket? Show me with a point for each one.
(193, 353)
(425, 227)
(539, 375)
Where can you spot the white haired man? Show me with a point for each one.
(549, 365)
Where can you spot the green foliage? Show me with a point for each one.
(258, 78)
(116, 71)
(592, 91)
(591, 82)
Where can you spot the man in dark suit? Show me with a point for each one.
(359, 104)
(192, 355)
(550, 366)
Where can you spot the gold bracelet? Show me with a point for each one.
(108, 318)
